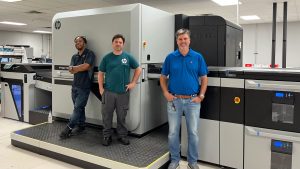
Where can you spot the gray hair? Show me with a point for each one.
(183, 31)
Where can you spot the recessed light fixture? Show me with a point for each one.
(13, 23)
(10, 0)
(226, 2)
(250, 17)
(39, 31)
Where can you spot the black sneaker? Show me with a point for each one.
(124, 140)
(78, 130)
(106, 141)
(66, 133)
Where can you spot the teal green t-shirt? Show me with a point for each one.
(117, 71)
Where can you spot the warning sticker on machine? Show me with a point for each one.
(237, 100)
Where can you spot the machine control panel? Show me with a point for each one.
(281, 154)
(283, 107)
(283, 97)
(281, 146)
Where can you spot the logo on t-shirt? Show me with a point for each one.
(124, 61)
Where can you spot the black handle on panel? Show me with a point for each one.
(239, 55)
(148, 57)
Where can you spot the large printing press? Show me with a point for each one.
(248, 119)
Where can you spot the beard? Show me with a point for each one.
(79, 47)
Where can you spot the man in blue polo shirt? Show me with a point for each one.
(82, 67)
(184, 67)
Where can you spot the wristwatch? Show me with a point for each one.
(201, 96)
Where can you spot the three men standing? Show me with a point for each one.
(182, 68)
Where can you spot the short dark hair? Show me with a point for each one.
(183, 31)
(82, 37)
(117, 36)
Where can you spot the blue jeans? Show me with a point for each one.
(79, 97)
(192, 115)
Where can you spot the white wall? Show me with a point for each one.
(40, 42)
(257, 38)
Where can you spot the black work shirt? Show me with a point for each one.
(83, 79)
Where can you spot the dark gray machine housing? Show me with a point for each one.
(218, 40)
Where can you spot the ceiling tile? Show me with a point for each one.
(262, 8)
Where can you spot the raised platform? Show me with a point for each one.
(85, 150)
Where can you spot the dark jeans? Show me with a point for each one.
(80, 97)
(110, 102)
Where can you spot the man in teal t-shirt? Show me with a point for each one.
(116, 66)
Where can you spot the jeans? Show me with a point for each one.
(79, 97)
(192, 115)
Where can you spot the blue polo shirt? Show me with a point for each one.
(184, 72)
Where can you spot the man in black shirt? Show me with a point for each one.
(82, 65)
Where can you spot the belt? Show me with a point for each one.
(185, 96)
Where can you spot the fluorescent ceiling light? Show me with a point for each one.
(10, 0)
(39, 31)
(226, 2)
(250, 17)
(13, 23)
